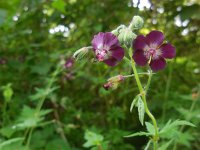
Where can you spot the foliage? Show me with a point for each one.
(36, 35)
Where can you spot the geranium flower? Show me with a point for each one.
(152, 50)
(107, 48)
(69, 63)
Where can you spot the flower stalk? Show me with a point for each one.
(143, 95)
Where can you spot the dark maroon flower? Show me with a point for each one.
(69, 63)
(107, 48)
(152, 50)
(2, 61)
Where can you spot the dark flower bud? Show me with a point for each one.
(69, 63)
(113, 82)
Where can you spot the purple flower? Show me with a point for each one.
(69, 63)
(107, 48)
(152, 50)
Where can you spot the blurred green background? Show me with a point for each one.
(35, 35)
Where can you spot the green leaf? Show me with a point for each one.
(150, 128)
(92, 139)
(171, 125)
(59, 5)
(40, 93)
(7, 92)
(134, 102)
(189, 12)
(165, 146)
(139, 134)
(141, 110)
(148, 144)
(10, 141)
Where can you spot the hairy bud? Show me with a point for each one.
(136, 23)
(118, 30)
(81, 53)
(113, 82)
(126, 37)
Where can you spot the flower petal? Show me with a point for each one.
(110, 40)
(155, 37)
(139, 58)
(118, 53)
(98, 40)
(168, 51)
(111, 61)
(139, 42)
(158, 64)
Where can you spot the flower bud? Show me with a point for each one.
(69, 63)
(136, 23)
(81, 53)
(118, 29)
(113, 82)
(126, 37)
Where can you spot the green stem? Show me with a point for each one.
(41, 102)
(143, 95)
(149, 81)
(4, 113)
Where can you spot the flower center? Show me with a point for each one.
(152, 52)
(102, 53)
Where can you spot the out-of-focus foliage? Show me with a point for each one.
(36, 35)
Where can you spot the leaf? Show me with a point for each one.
(92, 139)
(148, 144)
(40, 93)
(7, 92)
(138, 134)
(150, 128)
(134, 102)
(189, 12)
(141, 110)
(10, 141)
(169, 126)
(59, 5)
(165, 146)
(28, 118)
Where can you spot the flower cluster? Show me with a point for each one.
(149, 49)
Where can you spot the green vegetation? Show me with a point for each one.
(48, 101)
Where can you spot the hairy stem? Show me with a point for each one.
(143, 95)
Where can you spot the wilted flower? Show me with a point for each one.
(107, 48)
(152, 50)
(113, 82)
(69, 63)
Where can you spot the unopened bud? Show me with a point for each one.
(118, 30)
(81, 53)
(69, 63)
(126, 37)
(136, 23)
(117, 78)
(113, 82)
